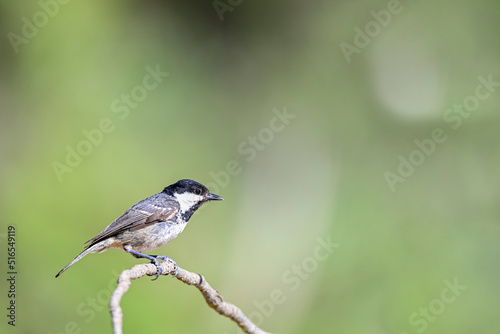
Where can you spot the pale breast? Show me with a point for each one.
(152, 237)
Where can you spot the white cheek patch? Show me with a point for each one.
(187, 200)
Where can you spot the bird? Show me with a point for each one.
(151, 223)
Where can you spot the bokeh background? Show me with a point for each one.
(316, 176)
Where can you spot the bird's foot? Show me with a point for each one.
(154, 260)
(159, 269)
(164, 257)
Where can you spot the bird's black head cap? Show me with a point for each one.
(188, 185)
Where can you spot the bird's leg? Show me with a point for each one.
(154, 260)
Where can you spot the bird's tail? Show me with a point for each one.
(92, 249)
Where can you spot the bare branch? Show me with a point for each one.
(212, 297)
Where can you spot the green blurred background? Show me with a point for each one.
(319, 175)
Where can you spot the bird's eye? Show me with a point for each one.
(197, 191)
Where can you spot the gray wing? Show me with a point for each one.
(149, 211)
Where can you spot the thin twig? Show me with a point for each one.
(212, 297)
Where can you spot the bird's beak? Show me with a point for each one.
(214, 197)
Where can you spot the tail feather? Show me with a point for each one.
(93, 249)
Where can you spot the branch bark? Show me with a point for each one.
(212, 296)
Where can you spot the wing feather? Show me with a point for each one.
(154, 209)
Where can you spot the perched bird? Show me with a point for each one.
(151, 223)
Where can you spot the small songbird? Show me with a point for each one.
(151, 223)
